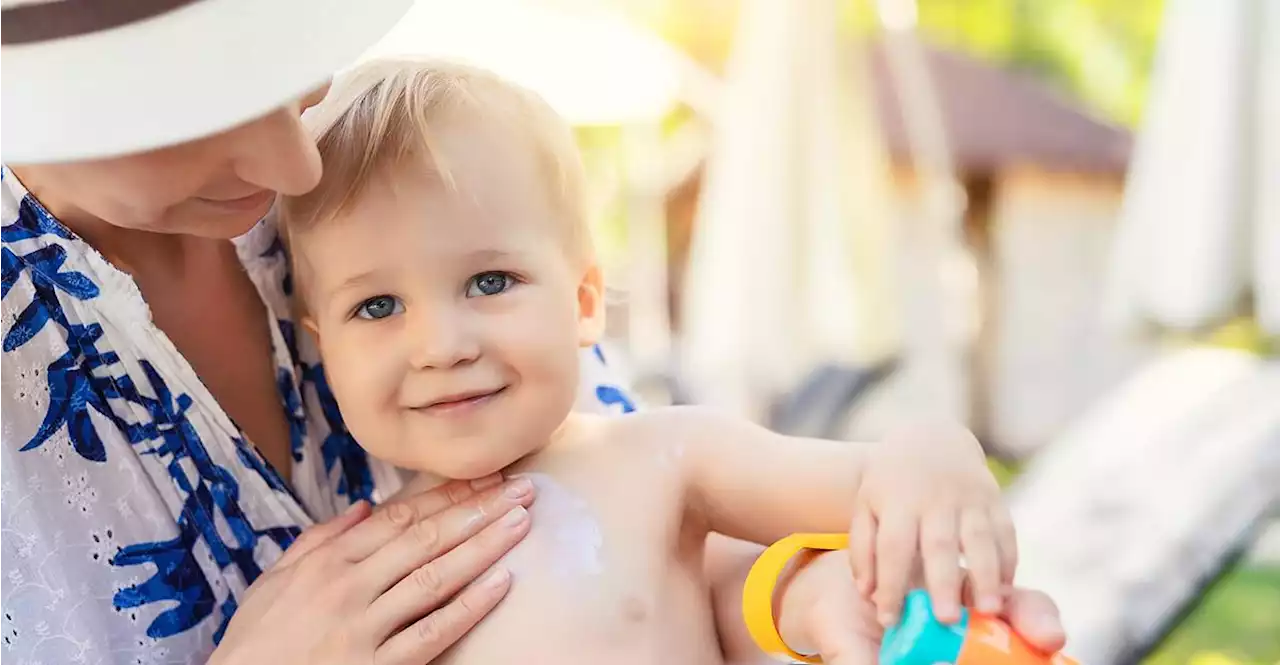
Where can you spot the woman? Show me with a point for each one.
(169, 440)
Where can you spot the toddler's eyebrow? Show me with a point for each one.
(352, 282)
(491, 254)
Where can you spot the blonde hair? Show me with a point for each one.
(385, 112)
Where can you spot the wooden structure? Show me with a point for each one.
(1043, 182)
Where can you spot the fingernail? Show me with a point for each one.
(488, 481)
(496, 578)
(518, 489)
(475, 519)
(989, 605)
(515, 516)
(887, 619)
(353, 507)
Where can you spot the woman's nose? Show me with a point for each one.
(279, 154)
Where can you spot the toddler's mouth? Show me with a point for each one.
(459, 402)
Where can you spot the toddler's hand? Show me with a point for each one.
(929, 491)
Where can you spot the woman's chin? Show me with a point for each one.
(223, 224)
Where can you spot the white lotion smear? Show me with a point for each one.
(566, 539)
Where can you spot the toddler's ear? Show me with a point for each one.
(311, 327)
(590, 306)
(303, 316)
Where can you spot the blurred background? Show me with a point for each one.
(1057, 221)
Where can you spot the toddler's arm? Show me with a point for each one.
(921, 495)
(749, 483)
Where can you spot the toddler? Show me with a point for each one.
(445, 267)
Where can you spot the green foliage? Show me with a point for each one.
(1239, 619)
(1005, 472)
(1098, 51)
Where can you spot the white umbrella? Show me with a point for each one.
(1200, 225)
(1266, 263)
(794, 187)
(1148, 495)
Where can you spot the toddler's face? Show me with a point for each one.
(450, 320)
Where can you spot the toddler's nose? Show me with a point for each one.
(441, 342)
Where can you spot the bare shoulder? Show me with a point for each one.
(677, 425)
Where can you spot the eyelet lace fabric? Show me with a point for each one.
(135, 513)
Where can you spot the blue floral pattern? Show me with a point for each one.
(136, 513)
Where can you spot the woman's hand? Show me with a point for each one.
(822, 612)
(393, 586)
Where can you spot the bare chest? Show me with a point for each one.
(608, 573)
(220, 326)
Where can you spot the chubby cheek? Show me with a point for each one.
(542, 346)
(366, 385)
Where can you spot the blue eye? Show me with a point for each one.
(489, 284)
(379, 307)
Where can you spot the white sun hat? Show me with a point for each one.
(83, 79)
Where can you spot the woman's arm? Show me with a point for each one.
(726, 566)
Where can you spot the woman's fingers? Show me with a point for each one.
(425, 639)
(843, 626)
(432, 537)
(1034, 616)
(426, 588)
(1031, 614)
(322, 533)
(333, 605)
(395, 517)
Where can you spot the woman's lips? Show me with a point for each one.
(244, 203)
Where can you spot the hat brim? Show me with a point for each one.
(185, 74)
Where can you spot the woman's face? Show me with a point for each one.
(214, 187)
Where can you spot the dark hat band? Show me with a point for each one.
(44, 21)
